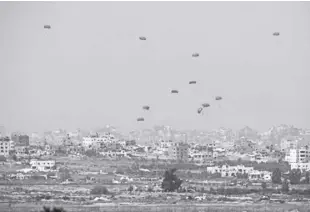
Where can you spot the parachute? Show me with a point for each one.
(195, 55)
(174, 91)
(205, 105)
(276, 33)
(140, 119)
(218, 98)
(142, 38)
(192, 82)
(146, 107)
(47, 26)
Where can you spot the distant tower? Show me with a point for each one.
(2, 131)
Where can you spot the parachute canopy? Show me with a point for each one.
(195, 55)
(199, 110)
(142, 38)
(205, 105)
(140, 119)
(174, 91)
(47, 26)
(192, 82)
(276, 33)
(218, 98)
(146, 107)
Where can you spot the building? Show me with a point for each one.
(20, 140)
(21, 151)
(290, 142)
(201, 157)
(301, 166)
(179, 151)
(230, 171)
(2, 131)
(5, 146)
(43, 165)
(256, 175)
(297, 155)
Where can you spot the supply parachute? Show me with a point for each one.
(200, 110)
(146, 107)
(205, 105)
(276, 33)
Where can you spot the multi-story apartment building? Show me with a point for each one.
(301, 166)
(5, 146)
(201, 157)
(42, 165)
(20, 140)
(179, 151)
(230, 171)
(289, 143)
(297, 155)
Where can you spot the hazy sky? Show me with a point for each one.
(91, 69)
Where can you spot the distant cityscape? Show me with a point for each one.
(222, 160)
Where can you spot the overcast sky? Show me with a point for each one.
(90, 69)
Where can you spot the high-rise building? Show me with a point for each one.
(20, 140)
(179, 151)
(2, 131)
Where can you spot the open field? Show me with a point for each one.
(182, 207)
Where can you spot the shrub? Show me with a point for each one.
(99, 190)
(47, 209)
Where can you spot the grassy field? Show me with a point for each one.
(163, 208)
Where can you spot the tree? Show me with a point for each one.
(14, 157)
(2, 158)
(171, 182)
(285, 186)
(99, 190)
(47, 209)
(276, 176)
(90, 153)
(130, 189)
(64, 174)
(307, 180)
(295, 176)
(264, 185)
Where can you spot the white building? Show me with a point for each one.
(202, 156)
(42, 165)
(5, 146)
(256, 175)
(230, 171)
(297, 155)
(301, 166)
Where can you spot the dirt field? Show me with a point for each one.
(226, 207)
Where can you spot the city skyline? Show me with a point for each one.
(90, 69)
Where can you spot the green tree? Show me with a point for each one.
(90, 153)
(64, 174)
(285, 186)
(307, 180)
(264, 186)
(99, 190)
(295, 176)
(47, 209)
(130, 189)
(2, 158)
(171, 182)
(276, 176)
